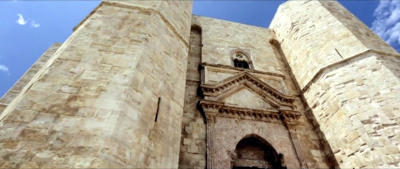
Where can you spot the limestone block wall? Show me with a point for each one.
(228, 132)
(349, 78)
(219, 38)
(358, 110)
(94, 104)
(193, 140)
(21, 83)
(174, 13)
(358, 29)
(302, 27)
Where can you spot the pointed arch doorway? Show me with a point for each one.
(253, 152)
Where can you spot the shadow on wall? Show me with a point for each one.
(392, 63)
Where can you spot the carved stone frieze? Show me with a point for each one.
(240, 105)
(215, 109)
(241, 69)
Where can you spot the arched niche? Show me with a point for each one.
(254, 152)
(196, 28)
(241, 59)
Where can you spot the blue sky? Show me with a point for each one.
(28, 28)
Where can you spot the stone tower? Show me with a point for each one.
(348, 76)
(110, 96)
(146, 84)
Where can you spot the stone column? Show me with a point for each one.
(93, 104)
(210, 135)
(349, 77)
(290, 127)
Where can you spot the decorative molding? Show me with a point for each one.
(282, 112)
(245, 70)
(213, 109)
(245, 57)
(245, 78)
(343, 63)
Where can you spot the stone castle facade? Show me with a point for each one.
(146, 84)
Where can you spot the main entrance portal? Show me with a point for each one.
(254, 152)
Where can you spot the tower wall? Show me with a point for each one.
(96, 103)
(28, 75)
(348, 76)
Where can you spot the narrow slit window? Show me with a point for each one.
(158, 109)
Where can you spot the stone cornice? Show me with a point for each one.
(342, 63)
(215, 109)
(261, 88)
(240, 69)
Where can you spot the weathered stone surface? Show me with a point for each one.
(146, 84)
(93, 104)
(351, 80)
(228, 132)
(219, 46)
(193, 140)
(23, 81)
(369, 127)
(214, 50)
(299, 23)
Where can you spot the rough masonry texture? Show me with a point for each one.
(146, 84)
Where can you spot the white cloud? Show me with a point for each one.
(4, 68)
(21, 19)
(387, 21)
(35, 24)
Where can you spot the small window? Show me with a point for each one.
(241, 64)
(241, 60)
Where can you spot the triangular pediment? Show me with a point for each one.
(246, 98)
(232, 84)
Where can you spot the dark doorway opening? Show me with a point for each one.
(246, 168)
(253, 152)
